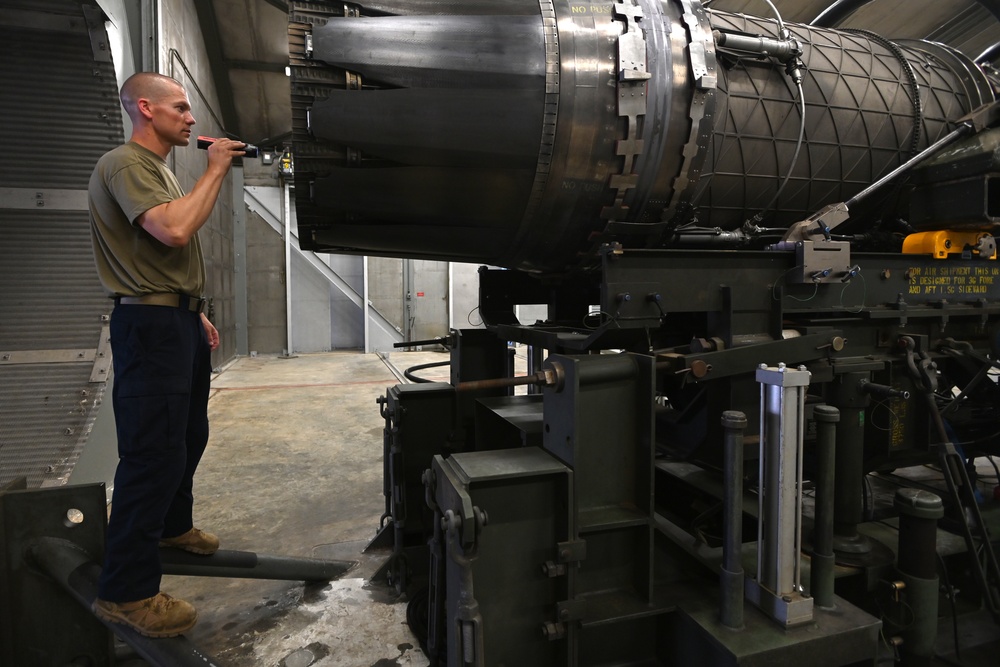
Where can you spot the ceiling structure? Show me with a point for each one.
(247, 44)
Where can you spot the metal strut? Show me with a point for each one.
(924, 373)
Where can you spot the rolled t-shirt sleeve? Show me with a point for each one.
(137, 188)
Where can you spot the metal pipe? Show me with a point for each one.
(837, 12)
(286, 214)
(451, 296)
(989, 55)
(541, 378)
(919, 512)
(951, 137)
(534, 354)
(848, 509)
(734, 424)
(821, 575)
(366, 305)
(782, 49)
(249, 565)
(441, 340)
(74, 570)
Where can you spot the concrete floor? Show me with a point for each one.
(294, 468)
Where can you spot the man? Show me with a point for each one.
(144, 230)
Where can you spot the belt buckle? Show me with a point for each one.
(194, 304)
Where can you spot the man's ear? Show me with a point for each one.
(144, 107)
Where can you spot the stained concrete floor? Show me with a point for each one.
(294, 468)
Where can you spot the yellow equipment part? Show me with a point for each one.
(942, 243)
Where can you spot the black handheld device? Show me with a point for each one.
(249, 150)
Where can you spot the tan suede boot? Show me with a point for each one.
(195, 540)
(158, 616)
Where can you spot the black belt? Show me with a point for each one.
(182, 301)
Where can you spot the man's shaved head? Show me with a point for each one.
(148, 85)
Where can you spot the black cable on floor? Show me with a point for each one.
(408, 373)
(417, 615)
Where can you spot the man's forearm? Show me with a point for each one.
(175, 223)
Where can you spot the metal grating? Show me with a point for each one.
(51, 298)
(48, 411)
(65, 111)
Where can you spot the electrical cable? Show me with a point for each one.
(989, 457)
(784, 34)
(408, 373)
(612, 319)
(795, 155)
(894, 418)
(774, 288)
(869, 499)
(864, 294)
(777, 15)
(951, 599)
(418, 616)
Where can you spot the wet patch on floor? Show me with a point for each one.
(337, 626)
(395, 662)
(306, 656)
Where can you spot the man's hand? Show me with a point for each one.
(176, 222)
(222, 152)
(210, 332)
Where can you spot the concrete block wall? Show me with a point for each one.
(182, 55)
(385, 287)
(266, 287)
(346, 321)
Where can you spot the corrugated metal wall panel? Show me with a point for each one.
(59, 119)
(49, 411)
(61, 113)
(51, 297)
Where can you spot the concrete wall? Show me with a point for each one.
(266, 287)
(346, 323)
(385, 287)
(182, 55)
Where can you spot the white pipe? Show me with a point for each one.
(287, 215)
(365, 306)
(451, 297)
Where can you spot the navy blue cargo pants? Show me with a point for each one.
(162, 371)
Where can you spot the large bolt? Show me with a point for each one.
(553, 631)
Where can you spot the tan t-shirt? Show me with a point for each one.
(127, 182)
